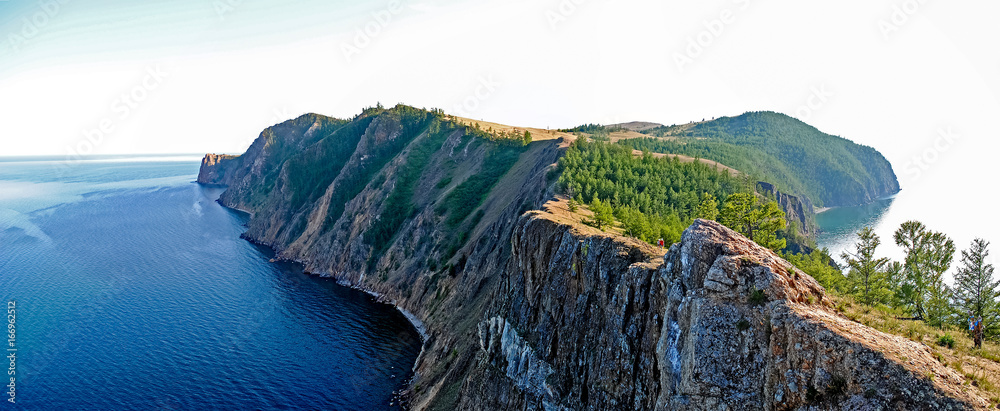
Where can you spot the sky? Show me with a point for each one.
(115, 77)
(918, 80)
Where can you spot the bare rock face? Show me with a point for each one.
(583, 322)
(212, 169)
(755, 330)
(797, 209)
(531, 310)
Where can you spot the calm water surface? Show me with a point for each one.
(955, 208)
(134, 291)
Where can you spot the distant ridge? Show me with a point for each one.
(773, 147)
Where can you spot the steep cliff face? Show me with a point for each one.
(530, 310)
(582, 321)
(213, 168)
(797, 211)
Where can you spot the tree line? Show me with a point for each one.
(917, 284)
(657, 198)
(784, 151)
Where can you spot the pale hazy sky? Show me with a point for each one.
(209, 75)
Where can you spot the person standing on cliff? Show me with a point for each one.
(979, 333)
(976, 328)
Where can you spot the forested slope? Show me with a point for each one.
(773, 147)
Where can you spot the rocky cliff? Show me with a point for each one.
(213, 168)
(584, 320)
(798, 211)
(528, 309)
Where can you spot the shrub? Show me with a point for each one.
(743, 325)
(946, 341)
(757, 297)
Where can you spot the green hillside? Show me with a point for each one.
(773, 147)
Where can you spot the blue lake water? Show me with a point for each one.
(839, 226)
(954, 208)
(134, 291)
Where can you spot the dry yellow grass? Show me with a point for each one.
(537, 134)
(979, 367)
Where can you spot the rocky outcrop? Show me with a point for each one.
(527, 309)
(582, 322)
(213, 168)
(798, 210)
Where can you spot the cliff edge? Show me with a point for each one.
(721, 323)
(529, 309)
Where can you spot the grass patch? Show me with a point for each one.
(946, 341)
(468, 196)
(743, 325)
(955, 343)
(757, 297)
(399, 204)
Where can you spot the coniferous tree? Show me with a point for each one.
(817, 265)
(603, 214)
(928, 257)
(652, 197)
(709, 208)
(976, 292)
(867, 277)
(744, 213)
(939, 297)
(573, 205)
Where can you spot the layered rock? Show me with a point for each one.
(582, 322)
(798, 210)
(530, 310)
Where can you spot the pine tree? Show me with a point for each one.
(744, 213)
(976, 292)
(928, 256)
(867, 277)
(603, 214)
(573, 205)
(709, 208)
(939, 297)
